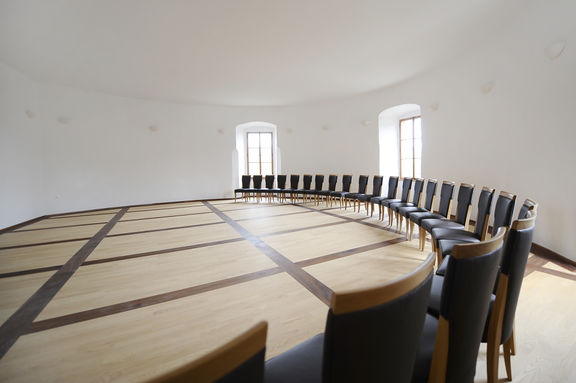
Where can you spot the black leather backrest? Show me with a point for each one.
(307, 181)
(430, 193)
(392, 187)
(246, 182)
(282, 181)
(379, 344)
(526, 208)
(332, 181)
(294, 181)
(484, 207)
(377, 185)
(406, 186)
(446, 193)
(362, 184)
(251, 371)
(318, 181)
(418, 188)
(503, 212)
(514, 258)
(346, 182)
(465, 194)
(257, 182)
(269, 181)
(465, 301)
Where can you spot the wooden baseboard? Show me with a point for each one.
(544, 252)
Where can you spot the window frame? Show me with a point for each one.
(259, 153)
(413, 158)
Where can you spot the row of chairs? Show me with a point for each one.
(423, 327)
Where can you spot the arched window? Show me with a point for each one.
(256, 148)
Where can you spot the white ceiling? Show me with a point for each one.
(240, 52)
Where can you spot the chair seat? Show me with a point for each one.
(302, 363)
(451, 232)
(241, 190)
(300, 191)
(424, 357)
(446, 225)
(365, 197)
(324, 192)
(312, 191)
(418, 217)
(405, 211)
(388, 201)
(397, 205)
(430, 223)
(339, 193)
(447, 245)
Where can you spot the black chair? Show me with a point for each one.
(446, 193)
(281, 185)
(255, 191)
(332, 181)
(267, 190)
(370, 336)
(501, 324)
(244, 189)
(450, 343)
(307, 179)
(448, 238)
(385, 203)
(294, 183)
(362, 185)
(428, 206)
(341, 194)
(416, 198)
(463, 209)
(318, 182)
(239, 361)
(391, 194)
(376, 191)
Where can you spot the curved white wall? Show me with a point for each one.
(518, 136)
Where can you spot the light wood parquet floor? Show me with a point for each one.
(126, 294)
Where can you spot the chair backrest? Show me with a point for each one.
(446, 194)
(246, 182)
(362, 184)
(406, 186)
(503, 211)
(514, 258)
(294, 181)
(466, 292)
(430, 194)
(346, 182)
(418, 188)
(527, 206)
(318, 182)
(240, 360)
(307, 181)
(281, 181)
(377, 185)
(332, 181)
(392, 187)
(484, 207)
(465, 194)
(269, 181)
(373, 335)
(257, 182)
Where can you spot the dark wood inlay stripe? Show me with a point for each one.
(45, 243)
(60, 227)
(346, 253)
(301, 229)
(320, 290)
(19, 322)
(82, 316)
(164, 229)
(30, 271)
(74, 215)
(165, 216)
(163, 251)
(556, 273)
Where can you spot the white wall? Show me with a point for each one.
(21, 165)
(517, 137)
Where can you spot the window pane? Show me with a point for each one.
(406, 148)
(266, 155)
(407, 169)
(266, 168)
(266, 140)
(418, 148)
(418, 127)
(406, 129)
(253, 168)
(253, 140)
(253, 155)
(418, 166)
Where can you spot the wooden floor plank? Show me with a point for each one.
(34, 257)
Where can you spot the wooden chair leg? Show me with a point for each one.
(507, 361)
(492, 354)
(512, 340)
(411, 228)
(422, 235)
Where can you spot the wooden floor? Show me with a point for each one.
(126, 294)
